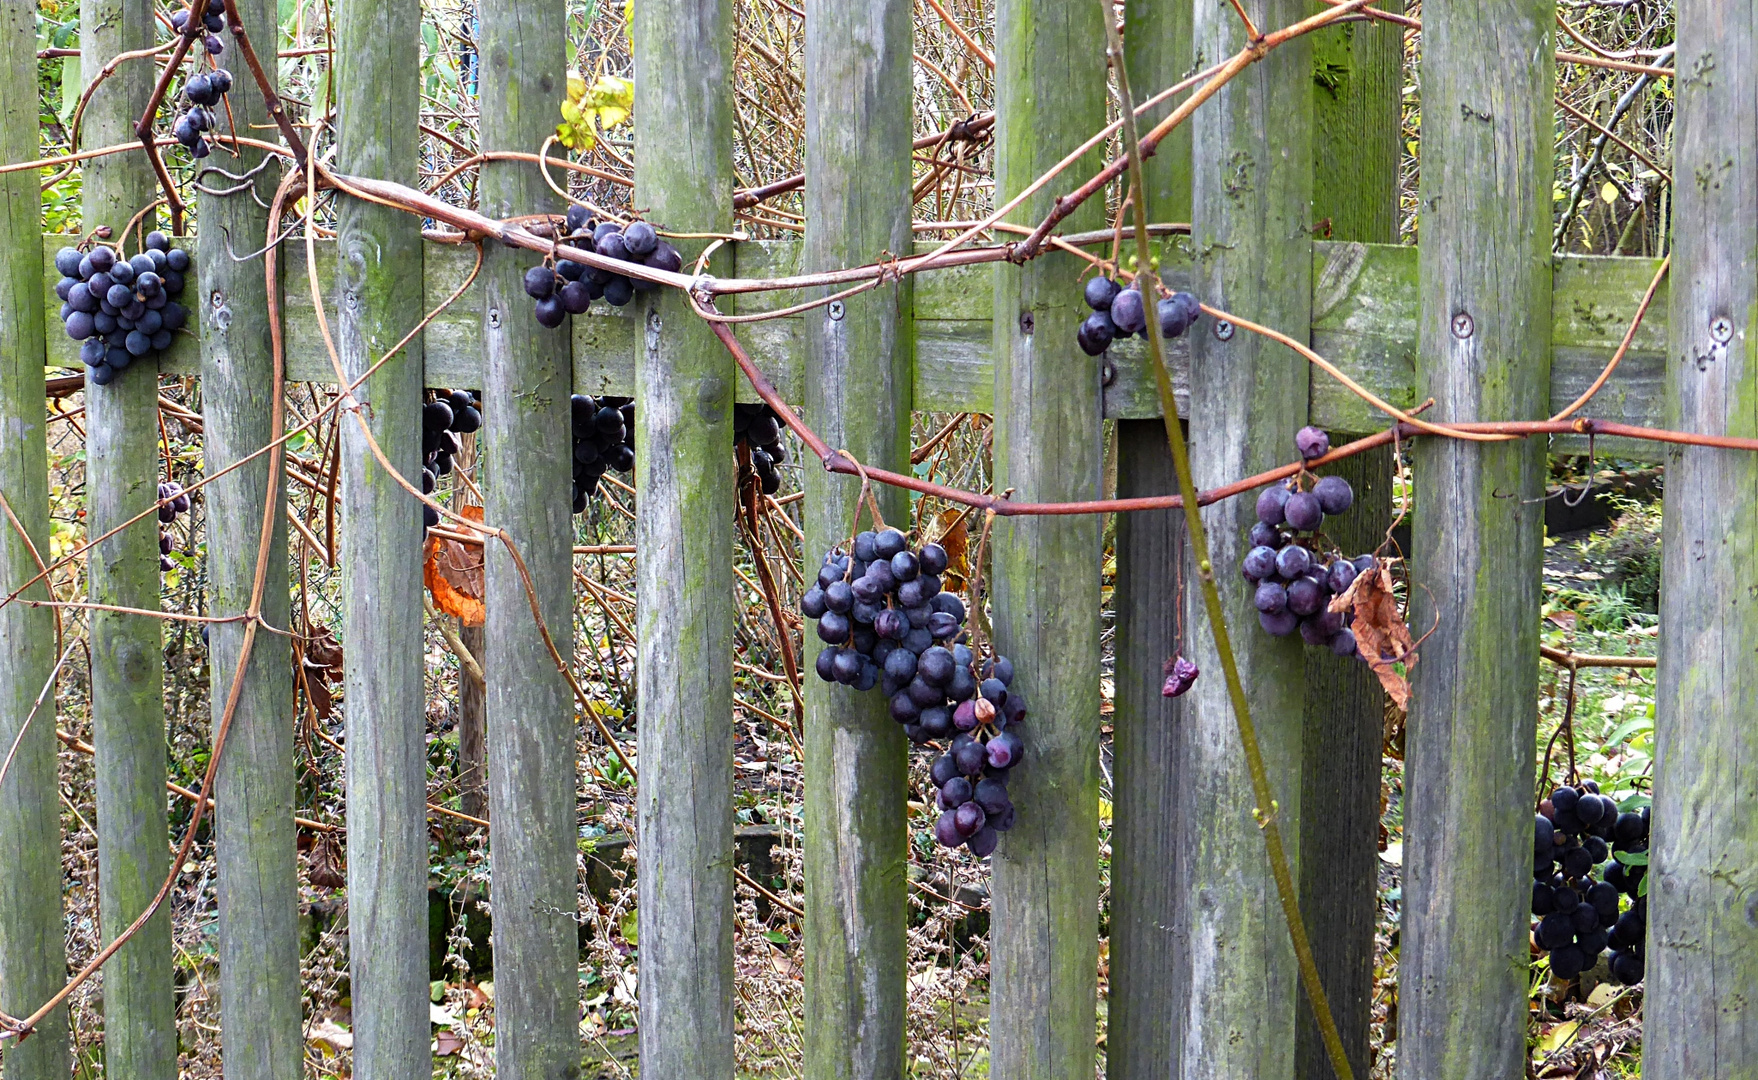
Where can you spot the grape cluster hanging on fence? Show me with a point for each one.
(443, 419)
(1575, 831)
(168, 511)
(568, 287)
(205, 92)
(758, 428)
(604, 438)
(207, 27)
(1120, 312)
(1295, 581)
(121, 309)
(886, 622)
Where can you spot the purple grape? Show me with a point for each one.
(964, 718)
(1340, 576)
(933, 559)
(1334, 494)
(1304, 596)
(943, 770)
(1100, 292)
(1005, 750)
(1364, 563)
(826, 663)
(1270, 598)
(1293, 561)
(1262, 535)
(1304, 511)
(1260, 563)
(1312, 631)
(1281, 624)
(946, 831)
(968, 817)
(1000, 668)
(1312, 442)
(970, 755)
(1096, 333)
(1128, 313)
(1344, 643)
(984, 840)
(1180, 676)
(955, 792)
(1270, 504)
(991, 794)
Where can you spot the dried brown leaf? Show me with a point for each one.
(1380, 634)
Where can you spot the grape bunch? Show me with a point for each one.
(886, 622)
(443, 419)
(568, 288)
(759, 428)
(1119, 312)
(207, 27)
(1295, 581)
(168, 512)
(1575, 830)
(604, 438)
(204, 93)
(121, 309)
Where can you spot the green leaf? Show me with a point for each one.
(1632, 858)
(777, 937)
(628, 927)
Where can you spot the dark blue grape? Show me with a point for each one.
(1100, 292)
(1271, 503)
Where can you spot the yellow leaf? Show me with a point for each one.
(576, 85)
(1556, 1037)
(571, 110)
(1609, 192)
(1104, 809)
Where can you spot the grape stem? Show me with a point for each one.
(1199, 547)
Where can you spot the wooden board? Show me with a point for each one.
(1364, 321)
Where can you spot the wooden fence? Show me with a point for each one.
(1480, 317)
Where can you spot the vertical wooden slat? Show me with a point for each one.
(684, 382)
(122, 471)
(1477, 544)
(1147, 989)
(526, 456)
(858, 133)
(1252, 177)
(33, 960)
(1702, 1021)
(258, 877)
(379, 298)
(1049, 92)
(1340, 801)
(1357, 86)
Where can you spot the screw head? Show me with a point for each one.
(1223, 330)
(1026, 322)
(1463, 326)
(1721, 328)
(836, 310)
(494, 318)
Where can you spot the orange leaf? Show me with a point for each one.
(453, 572)
(950, 524)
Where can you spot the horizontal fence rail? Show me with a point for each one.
(1364, 315)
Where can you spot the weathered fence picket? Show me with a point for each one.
(1702, 1020)
(857, 396)
(127, 670)
(1252, 177)
(33, 959)
(261, 1006)
(1357, 87)
(526, 460)
(1049, 92)
(1477, 540)
(378, 283)
(684, 389)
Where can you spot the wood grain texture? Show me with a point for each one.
(684, 383)
(1147, 994)
(1702, 959)
(1340, 800)
(127, 671)
(261, 1010)
(1477, 543)
(1364, 320)
(1252, 146)
(857, 392)
(379, 283)
(526, 454)
(33, 958)
(1357, 89)
(1044, 573)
